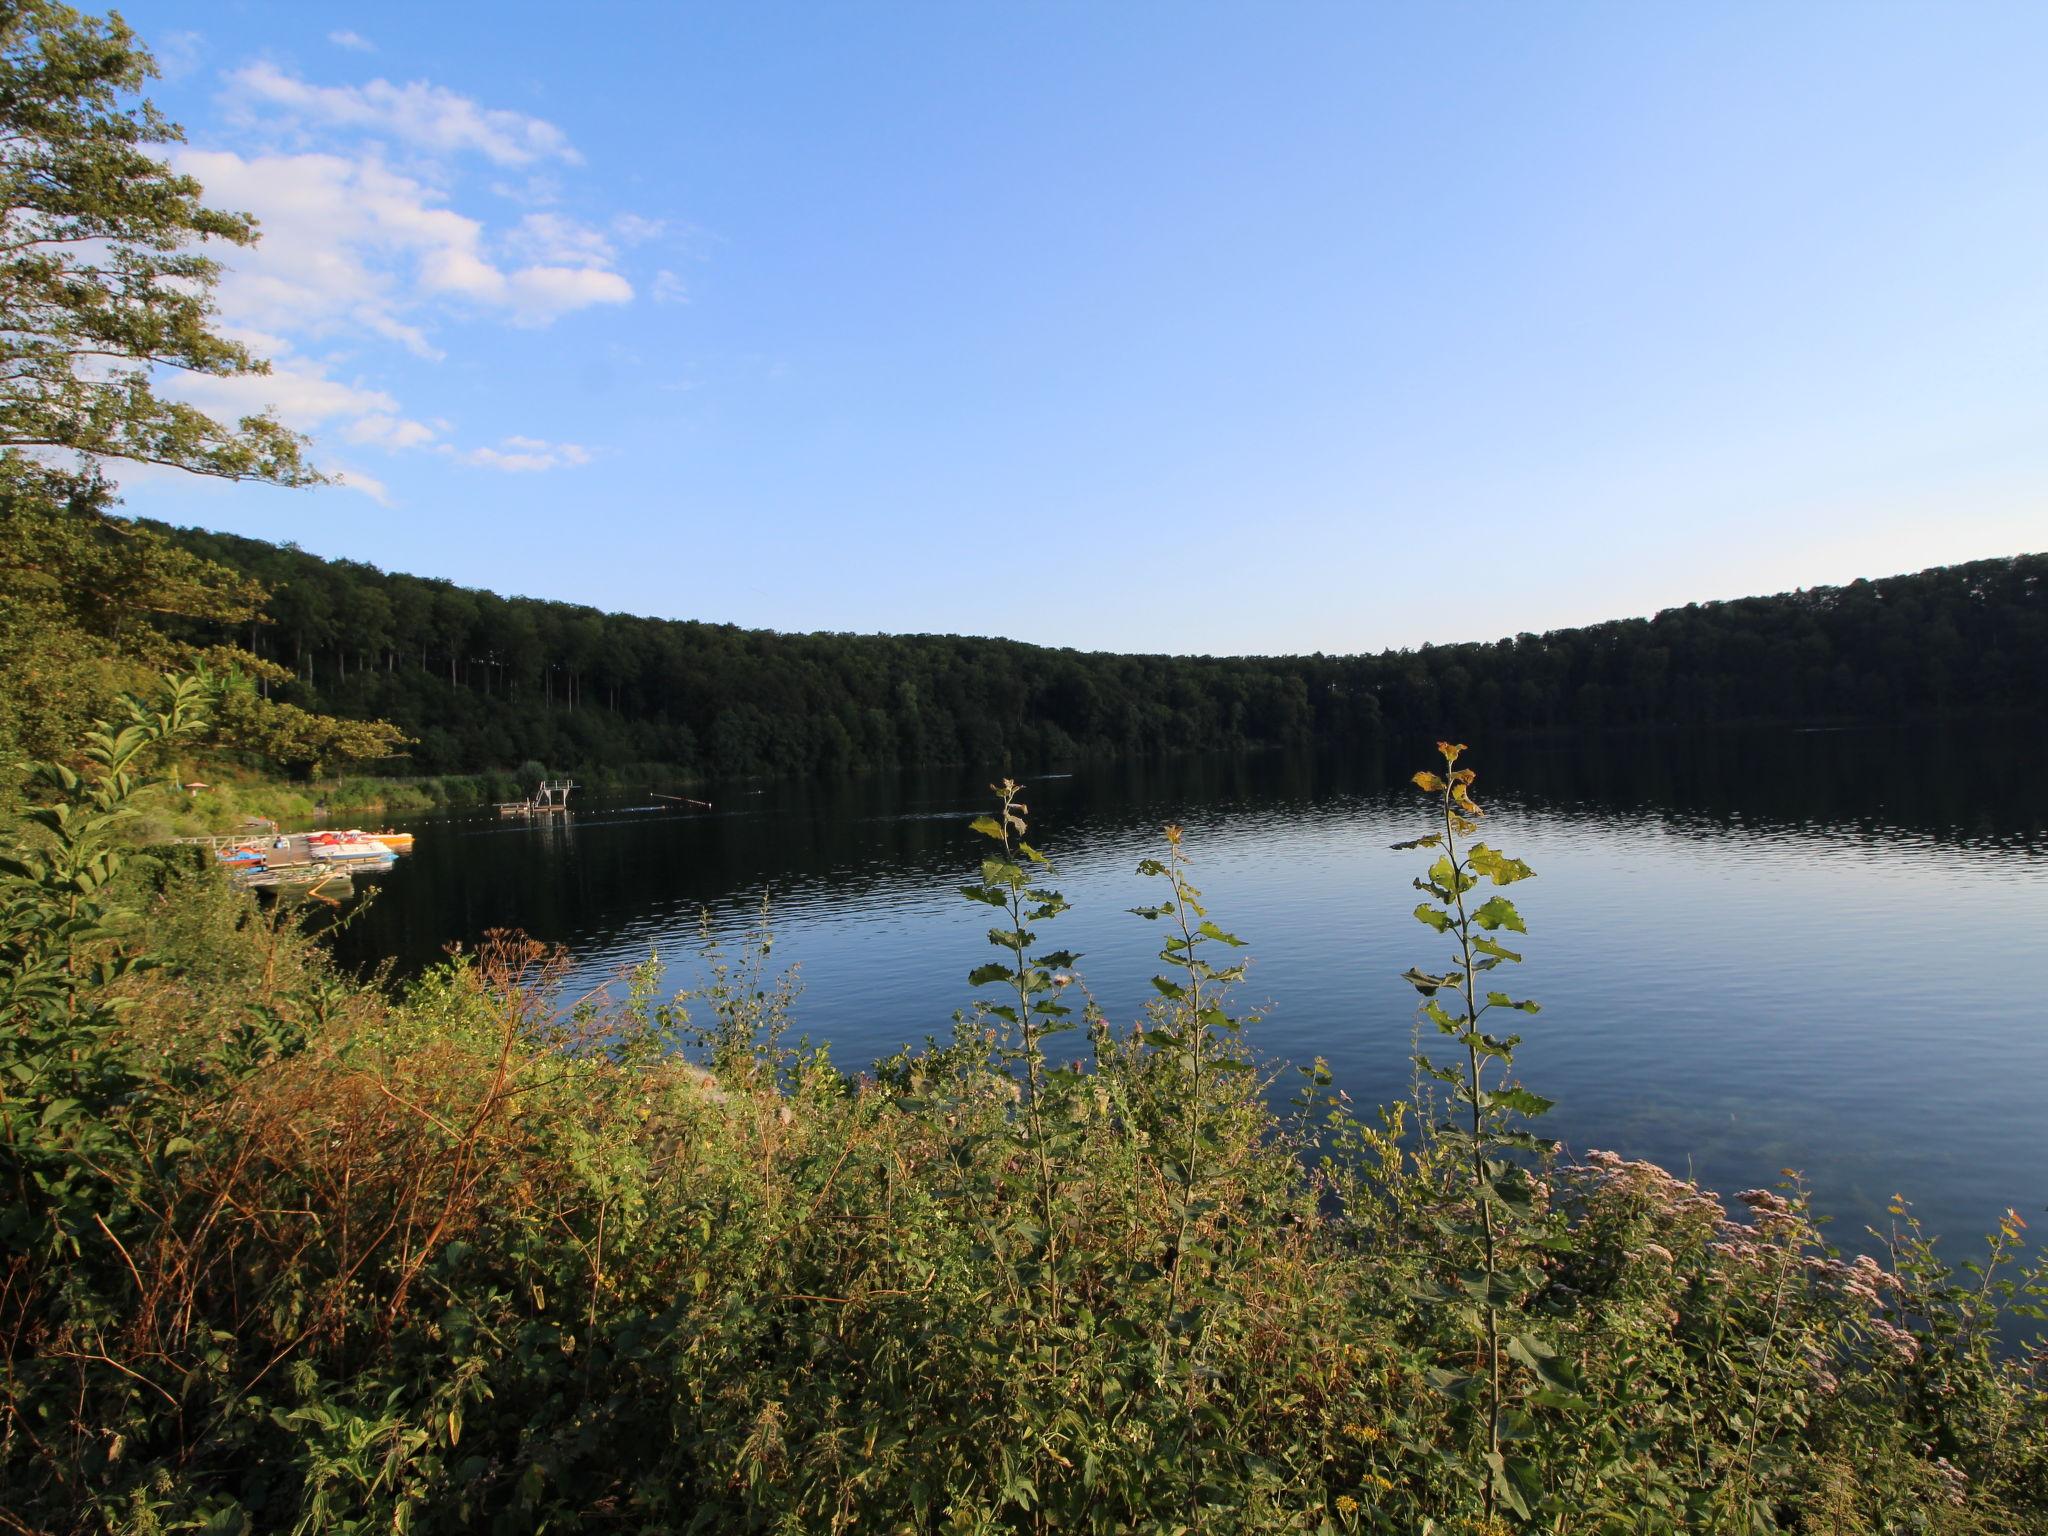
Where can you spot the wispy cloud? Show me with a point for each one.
(298, 390)
(357, 190)
(524, 455)
(178, 53)
(386, 431)
(559, 239)
(633, 229)
(354, 42)
(350, 243)
(365, 484)
(420, 113)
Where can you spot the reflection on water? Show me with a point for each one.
(1755, 951)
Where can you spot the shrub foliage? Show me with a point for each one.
(284, 1253)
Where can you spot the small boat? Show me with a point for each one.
(397, 842)
(339, 847)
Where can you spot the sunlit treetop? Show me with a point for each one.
(104, 283)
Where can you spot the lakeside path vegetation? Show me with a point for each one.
(284, 1251)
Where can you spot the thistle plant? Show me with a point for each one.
(1482, 1130)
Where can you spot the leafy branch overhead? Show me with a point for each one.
(105, 285)
(106, 299)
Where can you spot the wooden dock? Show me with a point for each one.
(551, 799)
(290, 860)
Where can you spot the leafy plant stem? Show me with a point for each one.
(1488, 1240)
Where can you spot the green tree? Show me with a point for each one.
(101, 288)
(106, 293)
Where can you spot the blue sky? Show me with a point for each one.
(1181, 327)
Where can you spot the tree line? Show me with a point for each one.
(481, 681)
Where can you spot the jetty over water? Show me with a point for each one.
(317, 861)
(551, 799)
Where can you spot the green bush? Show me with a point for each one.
(285, 1253)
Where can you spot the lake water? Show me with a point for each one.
(1816, 950)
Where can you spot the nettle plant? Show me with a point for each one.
(1499, 1219)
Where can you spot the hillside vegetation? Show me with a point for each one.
(486, 682)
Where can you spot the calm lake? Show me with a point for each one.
(1825, 951)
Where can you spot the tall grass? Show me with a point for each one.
(283, 1252)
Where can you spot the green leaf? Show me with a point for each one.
(1499, 912)
(987, 826)
(1434, 917)
(1550, 1368)
(1520, 1485)
(1521, 1101)
(1497, 866)
(1524, 1005)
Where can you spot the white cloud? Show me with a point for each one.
(555, 237)
(536, 191)
(354, 188)
(669, 289)
(523, 455)
(355, 42)
(350, 243)
(298, 391)
(178, 53)
(418, 112)
(637, 230)
(368, 485)
(538, 294)
(388, 431)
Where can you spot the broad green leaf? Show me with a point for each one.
(1497, 866)
(1499, 912)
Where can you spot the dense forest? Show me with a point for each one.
(482, 681)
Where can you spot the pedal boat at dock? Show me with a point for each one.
(342, 847)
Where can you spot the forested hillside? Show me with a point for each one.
(484, 681)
